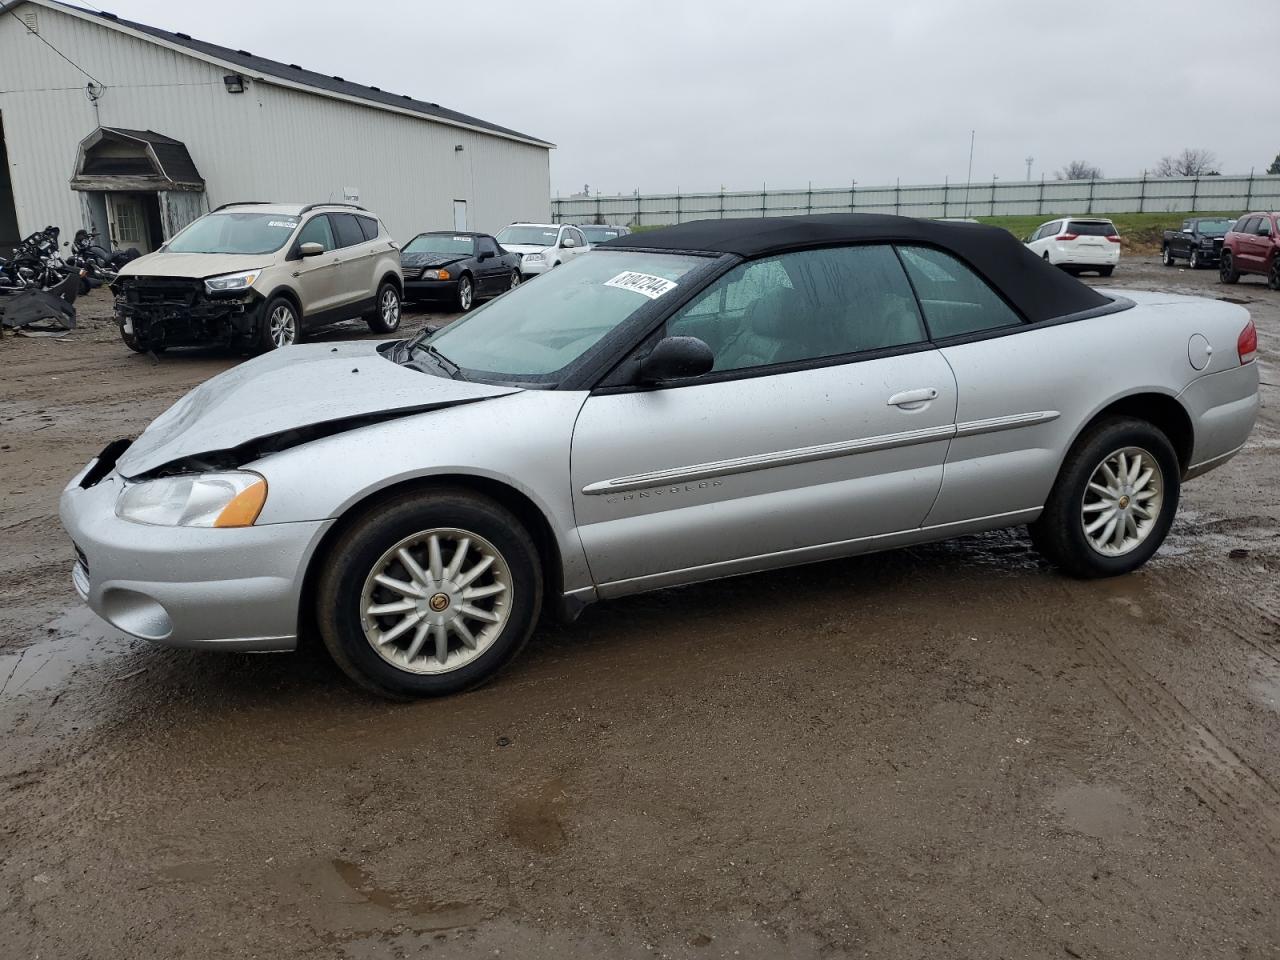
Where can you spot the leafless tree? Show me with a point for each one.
(1191, 162)
(1079, 170)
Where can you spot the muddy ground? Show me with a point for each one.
(947, 751)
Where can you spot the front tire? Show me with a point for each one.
(1273, 275)
(1193, 261)
(386, 315)
(466, 297)
(429, 594)
(1113, 502)
(281, 325)
(1227, 268)
(1106, 271)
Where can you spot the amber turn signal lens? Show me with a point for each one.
(245, 507)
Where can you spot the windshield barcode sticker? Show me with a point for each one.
(286, 224)
(644, 284)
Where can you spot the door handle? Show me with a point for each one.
(911, 399)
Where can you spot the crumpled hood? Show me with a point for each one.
(523, 248)
(430, 259)
(197, 266)
(289, 388)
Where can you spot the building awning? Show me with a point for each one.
(114, 158)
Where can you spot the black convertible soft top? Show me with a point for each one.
(1035, 288)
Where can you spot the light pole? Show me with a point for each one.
(1030, 161)
(969, 176)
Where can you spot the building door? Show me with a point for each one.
(128, 222)
(459, 214)
(9, 234)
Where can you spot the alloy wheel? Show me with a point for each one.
(390, 309)
(464, 294)
(1168, 257)
(1122, 501)
(284, 326)
(1194, 260)
(515, 279)
(1273, 279)
(436, 601)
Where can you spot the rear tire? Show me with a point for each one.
(1106, 271)
(1166, 256)
(1227, 268)
(1077, 501)
(386, 313)
(1273, 276)
(356, 613)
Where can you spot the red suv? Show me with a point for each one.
(1252, 246)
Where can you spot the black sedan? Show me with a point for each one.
(458, 268)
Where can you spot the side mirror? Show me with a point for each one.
(311, 249)
(676, 358)
(569, 242)
(484, 255)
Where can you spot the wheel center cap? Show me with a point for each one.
(439, 602)
(1124, 505)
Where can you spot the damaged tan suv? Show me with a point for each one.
(259, 276)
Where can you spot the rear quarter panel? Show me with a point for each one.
(1075, 370)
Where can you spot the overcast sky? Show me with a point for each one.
(660, 94)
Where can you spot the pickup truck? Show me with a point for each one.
(1199, 242)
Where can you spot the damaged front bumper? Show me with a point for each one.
(163, 312)
(205, 588)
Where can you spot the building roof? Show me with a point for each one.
(175, 162)
(292, 73)
(1037, 289)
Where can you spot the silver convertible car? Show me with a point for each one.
(715, 398)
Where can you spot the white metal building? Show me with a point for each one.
(135, 131)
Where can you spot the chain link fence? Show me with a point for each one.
(993, 198)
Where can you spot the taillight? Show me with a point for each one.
(1247, 343)
(1114, 239)
(1066, 236)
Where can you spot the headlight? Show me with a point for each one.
(435, 274)
(534, 257)
(231, 282)
(232, 499)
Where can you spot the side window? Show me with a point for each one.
(347, 229)
(804, 306)
(955, 300)
(317, 230)
(1264, 226)
(1241, 225)
(1251, 225)
(486, 245)
(369, 226)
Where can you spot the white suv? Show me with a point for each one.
(542, 245)
(259, 275)
(1077, 244)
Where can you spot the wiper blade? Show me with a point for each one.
(445, 364)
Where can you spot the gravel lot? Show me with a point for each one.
(942, 752)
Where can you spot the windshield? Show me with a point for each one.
(539, 329)
(600, 234)
(438, 243)
(530, 236)
(1216, 228)
(235, 233)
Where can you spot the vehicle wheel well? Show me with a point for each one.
(288, 294)
(1161, 411)
(526, 511)
(394, 281)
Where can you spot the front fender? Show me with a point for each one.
(521, 440)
